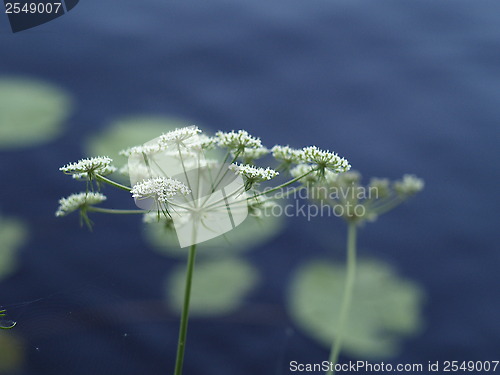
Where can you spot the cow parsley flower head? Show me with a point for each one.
(253, 174)
(87, 169)
(186, 137)
(161, 189)
(325, 160)
(237, 140)
(409, 185)
(145, 149)
(204, 142)
(78, 201)
(287, 155)
(179, 136)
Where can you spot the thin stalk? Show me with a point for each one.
(112, 183)
(347, 297)
(181, 346)
(115, 211)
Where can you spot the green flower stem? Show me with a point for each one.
(347, 297)
(115, 211)
(181, 346)
(112, 183)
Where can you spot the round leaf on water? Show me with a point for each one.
(219, 286)
(31, 111)
(11, 353)
(251, 233)
(12, 234)
(385, 308)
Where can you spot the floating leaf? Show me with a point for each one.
(12, 234)
(251, 233)
(219, 286)
(385, 308)
(11, 353)
(31, 111)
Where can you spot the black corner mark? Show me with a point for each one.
(70, 4)
(26, 14)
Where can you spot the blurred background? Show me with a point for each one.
(394, 86)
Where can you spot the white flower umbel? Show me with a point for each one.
(179, 136)
(186, 137)
(161, 189)
(253, 174)
(146, 149)
(237, 140)
(87, 169)
(287, 155)
(204, 142)
(409, 185)
(325, 160)
(78, 201)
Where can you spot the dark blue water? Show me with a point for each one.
(395, 86)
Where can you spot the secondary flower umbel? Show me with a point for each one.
(253, 174)
(287, 155)
(161, 189)
(409, 185)
(237, 140)
(178, 136)
(325, 160)
(87, 169)
(78, 201)
(186, 137)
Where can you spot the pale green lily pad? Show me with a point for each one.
(12, 234)
(385, 307)
(251, 233)
(219, 286)
(31, 111)
(11, 352)
(128, 132)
